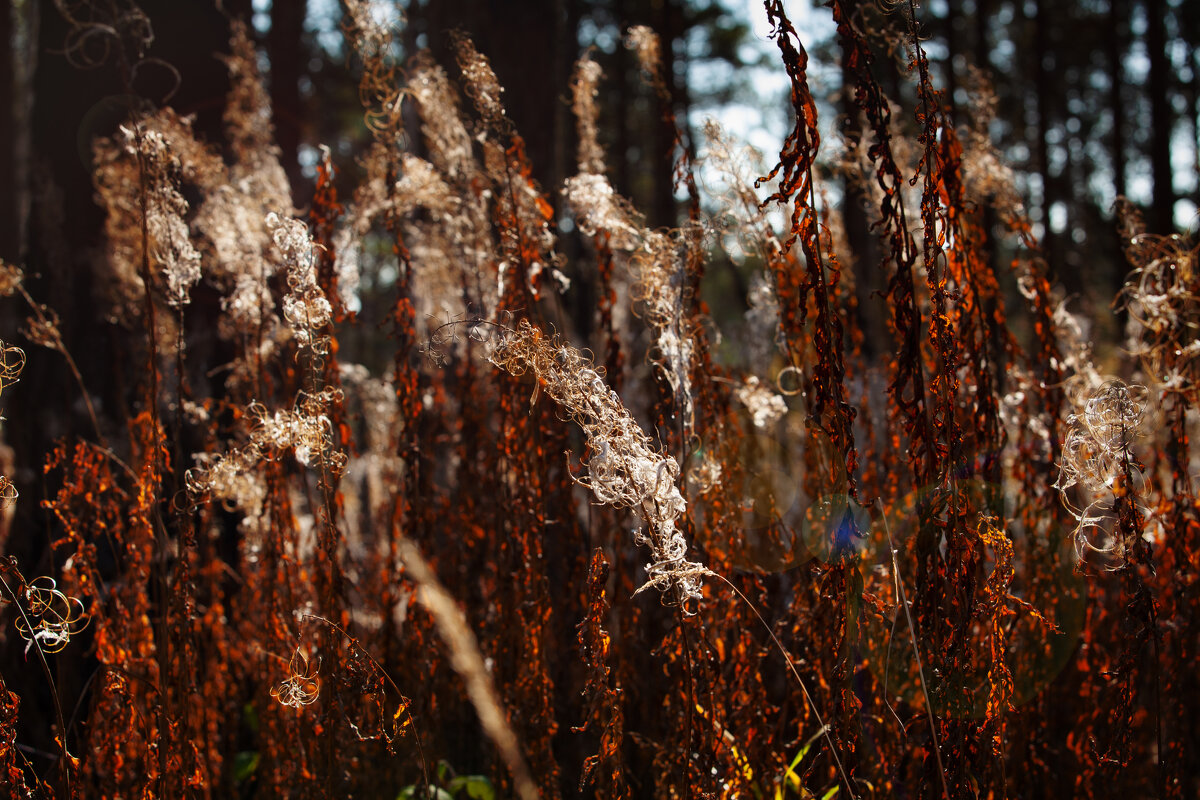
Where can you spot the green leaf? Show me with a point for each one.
(477, 787)
(807, 746)
(250, 717)
(244, 765)
(799, 757)
(831, 793)
(414, 792)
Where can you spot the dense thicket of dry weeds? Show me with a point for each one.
(288, 575)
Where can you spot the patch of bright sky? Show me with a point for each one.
(764, 119)
(261, 15)
(325, 22)
(761, 121)
(762, 116)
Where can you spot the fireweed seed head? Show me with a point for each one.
(766, 407)
(481, 83)
(643, 41)
(598, 208)
(1098, 459)
(1101, 438)
(624, 469)
(445, 134)
(305, 307)
(1161, 296)
(11, 277)
(584, 90)
(166, 212)
(43, 328)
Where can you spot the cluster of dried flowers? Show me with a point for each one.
(624, 469)
(1098, 457)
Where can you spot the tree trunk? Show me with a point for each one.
(1042, 58)
(18, 39)
(286, 51)
(10, 248)
(618, 159)
(870, 279)
(1118, 23)
(663, 211)
(952, 46)
(1162, 217)
(1194, 105)
(983, 60)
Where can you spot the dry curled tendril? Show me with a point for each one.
(12, 361)
(302, 686)
(8, 492)
(50, 618)
(1097, 457)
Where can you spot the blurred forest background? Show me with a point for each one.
(1094, 99)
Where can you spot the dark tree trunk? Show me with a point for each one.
(70, 108)
(239, 9)
(287, 54)
(18, 41)
(983, 59)
(619, 158)
(566, 25)
(1161, 119)
(1117, 49)
(952, 48)
(869, 274)
(663, 211)
(518, 40)
(1194, 99)
(1118, 24)
(10, 247)
(1043, 58)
